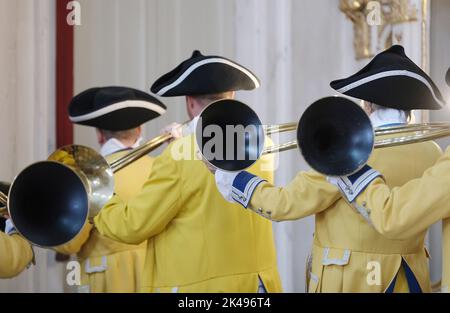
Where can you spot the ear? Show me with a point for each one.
(190, 106)
(190, 101)
(101, 139)
(139, 131)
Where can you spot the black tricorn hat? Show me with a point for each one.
(114, 108)
(201, 75)
(392, 80)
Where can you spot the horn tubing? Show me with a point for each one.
(280, 128)
(3, 198)
(3, 203)
(399, 129)
(429, 131)
(282, 147)
(141, 151)
(404, 140)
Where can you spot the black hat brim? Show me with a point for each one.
(201, 75)
(114, 108)
(383, 89)
(392, 80)
(120, 119)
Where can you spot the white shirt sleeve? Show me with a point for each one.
(224, 183)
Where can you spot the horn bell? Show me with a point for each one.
(335, 136)
(229, 135)
(48, 203)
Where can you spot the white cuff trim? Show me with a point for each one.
(224, 183)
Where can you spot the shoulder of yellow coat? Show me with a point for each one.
(128, 181)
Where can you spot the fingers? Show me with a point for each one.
(174, 129)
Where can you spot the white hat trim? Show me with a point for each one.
(201, 63)
(118, 106)
(389, 74)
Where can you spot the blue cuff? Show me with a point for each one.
(351, 186)
(243, 187)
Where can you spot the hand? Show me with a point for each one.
(175, 129)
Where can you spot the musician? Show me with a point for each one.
(344, 244)
(201, 243)
(409, 210)
(15, 252)
(117, 113)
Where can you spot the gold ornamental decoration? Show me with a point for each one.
(374, 21)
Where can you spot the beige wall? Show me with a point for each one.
(132, 42)
(27, 113)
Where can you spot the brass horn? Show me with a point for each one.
(243, 138)
(335, 135)
(354, 154)
(50, 201)
(230, 135)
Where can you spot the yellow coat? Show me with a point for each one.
(201, 243)
(409, 210)
(15, 255)
(344, 243)
(108, 265)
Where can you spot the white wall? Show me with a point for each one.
(131, 43)
(27, 112)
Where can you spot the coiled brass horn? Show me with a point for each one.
(50, 201)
